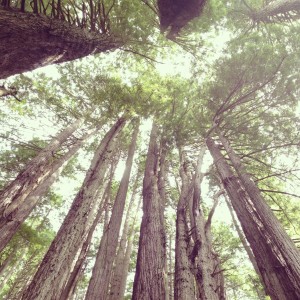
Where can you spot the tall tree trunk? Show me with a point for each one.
(34, 173)
(149, 281)
(102, 271)
(118, 281)
(29, 41)
(57, 263)
(277, 258)
(78, 268)
(125, 263)
(202, 255)
(247, 248)
(10, 224)
(74, 276)
(184, 287)
(170, 268)
(161, 184)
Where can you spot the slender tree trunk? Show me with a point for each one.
(202, 255)
(125, 263)
(23, 277)
(184, 287)
(277, 258)
(247, 248)
(149, 281)
(161, 184)
(36, 171)
(102, 271)
(171, 268)
(10, 224)
(29, 41)
(118, 281)
(57, 263)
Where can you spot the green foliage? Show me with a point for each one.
(250, 87)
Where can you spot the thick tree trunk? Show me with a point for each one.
(36, 171)
(184, 287)
(10, 224)
(118, 281)
(277, 258)
(283, 248)
(278, 10)
(78, 269)
(57, 263)
(149, 281)
(102, 271)
(29, 41)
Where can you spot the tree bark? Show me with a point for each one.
(36, 171)
(277, 258)
(57, 263)
(184, 287)
(70, 287)
(247, 248)
(118, 281)
(99, 284)
(29, 41)
(10, 224)
(74, 276)
(278, 10)
(149, 281)
(203, 258)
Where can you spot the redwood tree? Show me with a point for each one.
(276, 255)
(10, 224)
(58, 261)
(35, 40)
(33, 174)
(149, 281)
(102, 271)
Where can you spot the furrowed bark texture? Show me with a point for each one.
(35, 173)
(78, 269)
(184, 287)
(29, 41)
(74, 276)
(247, 248)
(277, 258)
(57, 263)
(102, 271)
(209, 280)
(10, 224)
(149, 281)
